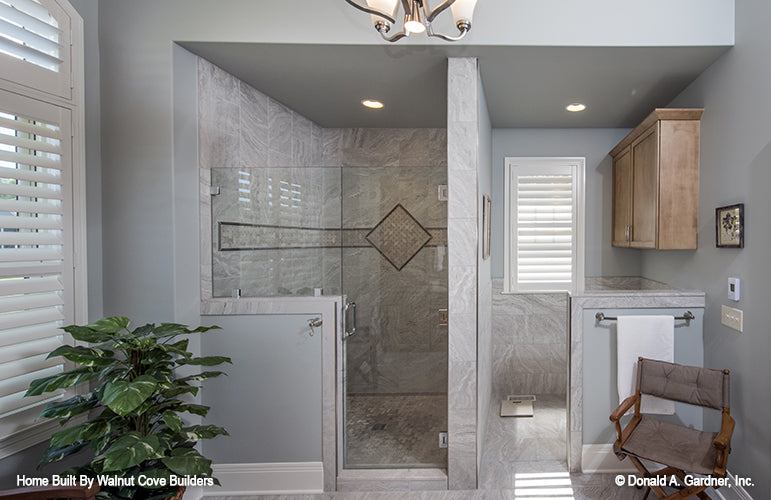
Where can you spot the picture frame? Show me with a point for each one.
(729, 226)
(486, 211)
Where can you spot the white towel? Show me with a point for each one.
(650, 337)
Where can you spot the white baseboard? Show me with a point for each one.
(735, 492)
(267, 479)
(600, 459)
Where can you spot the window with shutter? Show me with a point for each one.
(42, 207)
(35, 249)
(35, 45)
(544, 224)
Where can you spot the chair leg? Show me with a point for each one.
(657, 490)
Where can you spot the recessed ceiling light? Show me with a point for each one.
(372, 103)
(575, 107)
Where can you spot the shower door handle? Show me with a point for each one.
(352, 307)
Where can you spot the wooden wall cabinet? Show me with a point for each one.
(656, 182)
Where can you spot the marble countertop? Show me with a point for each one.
(631, 286)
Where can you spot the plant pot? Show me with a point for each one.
(178, 496)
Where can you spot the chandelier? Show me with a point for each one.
(418, 16)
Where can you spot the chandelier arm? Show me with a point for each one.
(394, 38)
(372, 10)
(463, 31)
(431, 15)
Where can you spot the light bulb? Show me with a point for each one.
(414, 26)
(372, 103)
(575, 107)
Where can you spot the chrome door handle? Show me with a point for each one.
(352, 307)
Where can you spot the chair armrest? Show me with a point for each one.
(723, 439)
(623, 408)
(51, 492)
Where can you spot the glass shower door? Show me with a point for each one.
(394, 267)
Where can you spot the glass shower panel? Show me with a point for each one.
(394, 266)
(276, 231)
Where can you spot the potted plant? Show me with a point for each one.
(141, 447)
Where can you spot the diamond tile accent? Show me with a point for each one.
(398, 237)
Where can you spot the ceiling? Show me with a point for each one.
(525, 86)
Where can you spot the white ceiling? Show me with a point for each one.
(525, 86)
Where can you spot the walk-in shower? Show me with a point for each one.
(372, 228)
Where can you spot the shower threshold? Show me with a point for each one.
(392, 479)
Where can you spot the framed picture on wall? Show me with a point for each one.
(486, 208)
(729, 226)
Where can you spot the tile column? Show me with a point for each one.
(462, 236)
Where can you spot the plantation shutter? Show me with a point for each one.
(36, 265)
(35, 45)
(544, 227)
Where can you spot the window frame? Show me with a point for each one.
(546, 164)
(69, 95)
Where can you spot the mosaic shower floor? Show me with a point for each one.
(400, 430)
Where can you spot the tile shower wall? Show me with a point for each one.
(276, 231)
(251, 146)
(529, 343)
(399, 347)
(338, 185)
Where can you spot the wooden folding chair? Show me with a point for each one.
(682, 450)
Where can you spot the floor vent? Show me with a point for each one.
(517, 406)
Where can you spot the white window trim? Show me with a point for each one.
(579, 166)
(73, 100)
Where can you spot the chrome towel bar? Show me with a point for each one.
(601, 316)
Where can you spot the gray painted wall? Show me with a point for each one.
(594, 145)
(270, 402)
(735, 159)
(600, 368)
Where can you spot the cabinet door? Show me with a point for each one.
(622, 198)
(645, 182)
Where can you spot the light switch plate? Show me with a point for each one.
(732, 318)
(734, 289)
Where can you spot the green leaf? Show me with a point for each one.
(131, 450)
(179, 348)
(198, 432)
(122, 397)
(96, 429)
(187, 462)
(86, 334)
(206, 361)
(61, 380)
(67, 436)
(56, 453)
(170, 330)
(87, 356)
(172, 420)
(200, 410)
(71, 407)
(143, 330)
(111, 325)
(156, 356)
(201, 376)
(178, 391)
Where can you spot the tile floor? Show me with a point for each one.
(524, 460)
